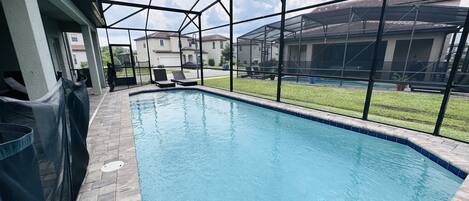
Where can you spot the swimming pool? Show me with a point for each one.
(193, 145)
(337, 83)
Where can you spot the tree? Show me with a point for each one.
(226, 54)
(106, 57)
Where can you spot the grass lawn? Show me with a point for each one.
(407, 109)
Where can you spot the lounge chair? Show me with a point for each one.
(161, 79)
(180, 78)
(15, 89)
(15, 85)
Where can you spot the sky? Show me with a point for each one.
(216, 15)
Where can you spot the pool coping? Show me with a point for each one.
(450, 154)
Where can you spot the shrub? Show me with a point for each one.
(83, 64)
(222, 61)
(160, 66)
(211, 62)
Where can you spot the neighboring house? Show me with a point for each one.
(164, 50)
(252, 53)
(77, 49)
(214, 46)
(337, 44)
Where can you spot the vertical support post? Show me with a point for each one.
(132, 60)
(148, 56)
(68, 54)
(231, 45)
(30, 43)
(299, 46)
(180, 50)
(264, 48)
(344, 58)
(374, 62)
(411, 39)
(454, 69)
(271, 45)
(443, 42)
(146, 41)
(201, 52)
(280, 54)
(451, 47)
(237, 57)
(97, 49)
(91, 57)
(250, 54)
(110, 53)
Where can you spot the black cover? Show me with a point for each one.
(60, 124)
(19, 175)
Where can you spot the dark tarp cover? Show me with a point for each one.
(60, 124)
(16, 155)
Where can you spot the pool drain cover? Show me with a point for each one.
(112, 166)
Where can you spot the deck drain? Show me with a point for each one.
(112, 166)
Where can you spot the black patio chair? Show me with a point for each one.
(180, 78)
(161, 79)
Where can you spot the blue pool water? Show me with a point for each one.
(193, 145)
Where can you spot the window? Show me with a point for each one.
(213, 45)
(190, 44)
(75, 59)
(221, 44)
(74, 39)
(144, 46)
(161, 42)
(190, 57)
(240, 48)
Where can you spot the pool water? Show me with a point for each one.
(337, 83)
(193, 145)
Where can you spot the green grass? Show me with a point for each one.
(407, 109)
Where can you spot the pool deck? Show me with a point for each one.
(110, 138)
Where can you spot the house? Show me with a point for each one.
(164, 50)
(78, 52)
(214, 46)
(337, 40)
(35, 49)
(254, 53)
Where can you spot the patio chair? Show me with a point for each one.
(15, 85)
(14, 89)
(180, 78)
(161, 79)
